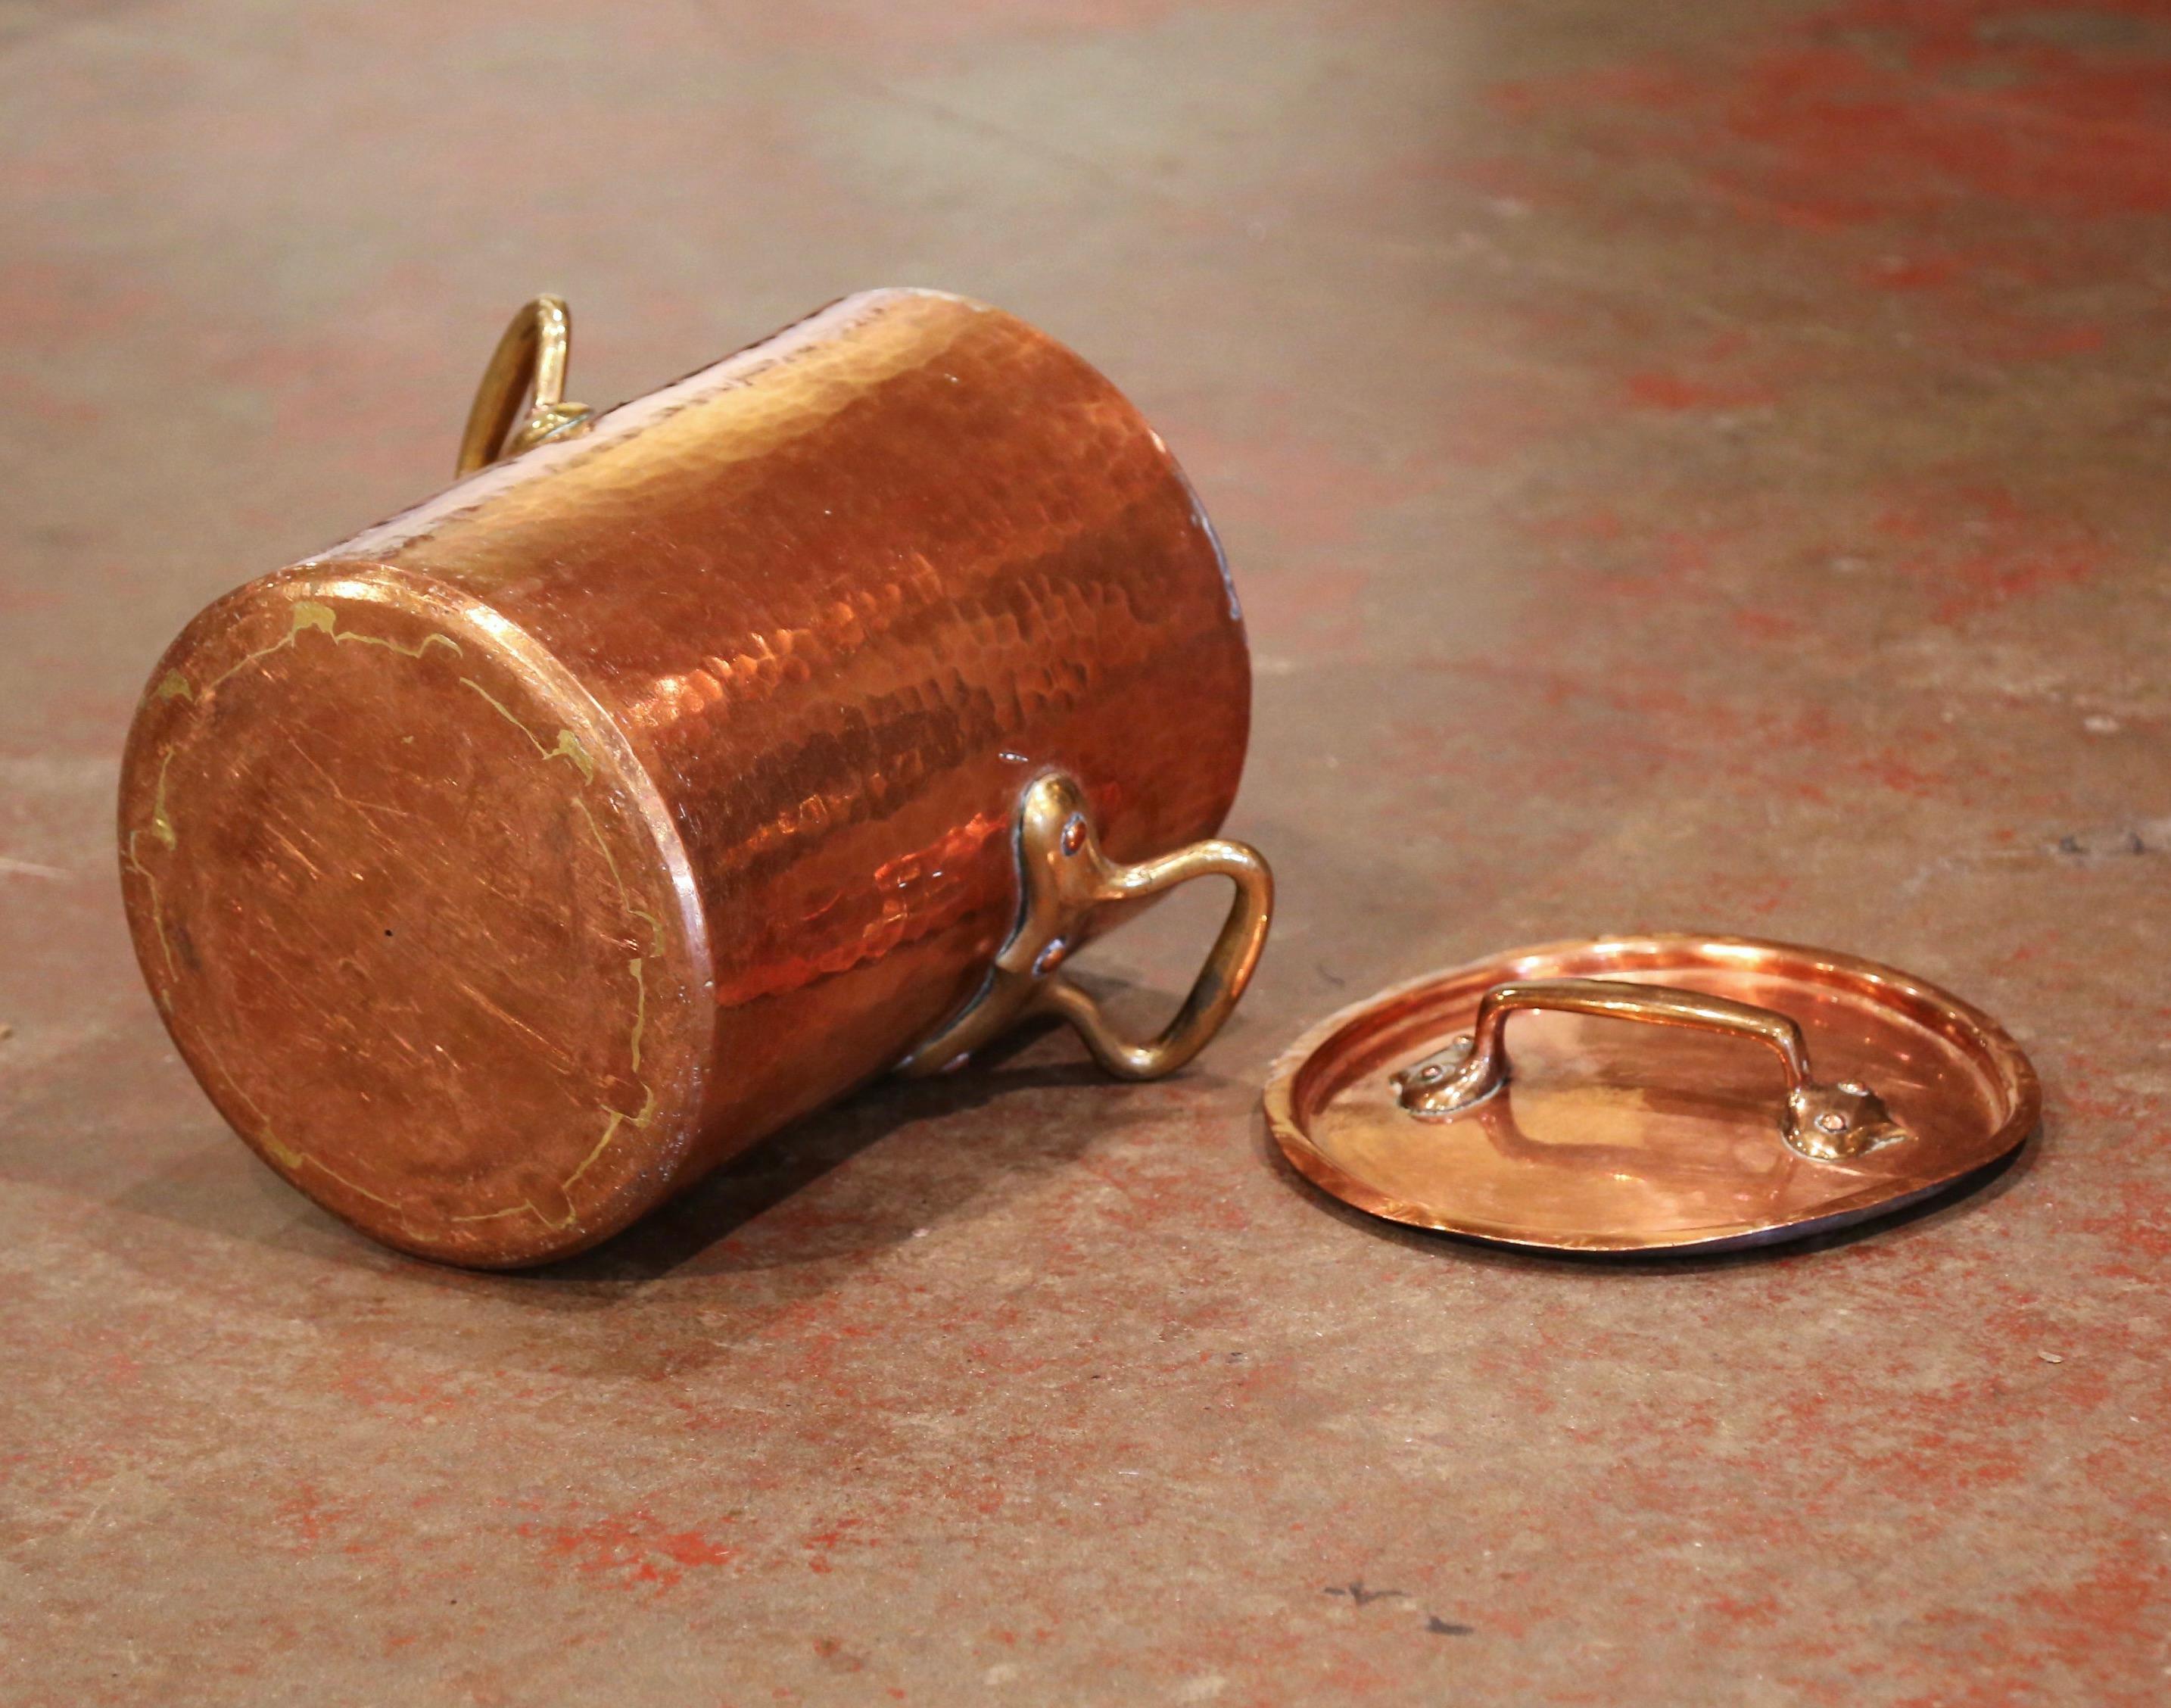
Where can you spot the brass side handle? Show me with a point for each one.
(521, 399)
(1065, 876)
(1829, 1123)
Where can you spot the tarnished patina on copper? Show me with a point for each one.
(1647, 1136)
(504, 868)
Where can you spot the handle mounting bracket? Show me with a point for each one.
(1064, 877)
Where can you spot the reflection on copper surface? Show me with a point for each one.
(1616, 1136)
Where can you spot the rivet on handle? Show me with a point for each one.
(1828, 1123)
(1065, 876)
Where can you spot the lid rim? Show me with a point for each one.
(1295, 1075)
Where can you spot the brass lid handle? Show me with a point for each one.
(1065, 877)
(527, 368)
(1829, 1123)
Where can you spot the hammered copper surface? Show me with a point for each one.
(1612, 1136)
(502, 869)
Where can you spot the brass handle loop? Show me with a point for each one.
(1829, 1123)
(527, 366)
(1065, 877)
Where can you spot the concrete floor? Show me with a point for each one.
(1696, 466)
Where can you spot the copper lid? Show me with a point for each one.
(1679, 1132)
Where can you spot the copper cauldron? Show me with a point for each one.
(503, 869)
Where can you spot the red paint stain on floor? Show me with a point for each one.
(2137, 1235)
(1723, 372)
(1891, 108)
(1658, 389)
(822, 1546)
(1974, 549)
(310, 1518)
(2115, 1607)
(632, 1549)
(1898, 771)
(370, 1381)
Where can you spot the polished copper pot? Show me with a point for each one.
(503, 869)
